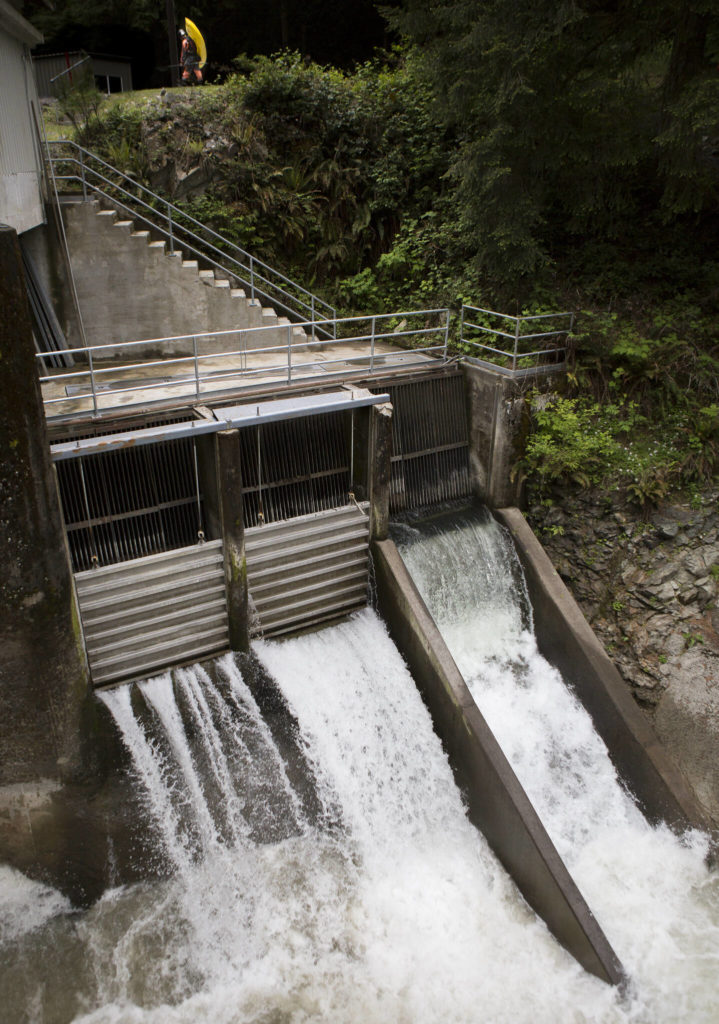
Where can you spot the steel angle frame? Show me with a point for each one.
(227, 418)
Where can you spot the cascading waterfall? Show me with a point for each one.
(652, 893)
(370, 900)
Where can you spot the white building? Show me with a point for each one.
(20, 160)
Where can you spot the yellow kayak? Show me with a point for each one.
(196, 36)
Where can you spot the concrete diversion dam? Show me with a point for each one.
(241, 869)
(327, 870)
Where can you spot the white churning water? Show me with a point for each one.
(369, 901)
(651, 892)
(381, 905)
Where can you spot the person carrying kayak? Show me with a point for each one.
(190, 60)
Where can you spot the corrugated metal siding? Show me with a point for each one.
(147, 615)
(20, 201)
(307, 570)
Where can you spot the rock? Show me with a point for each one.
(666, 528)
(706, 589)
(664, 593)
(694, 563)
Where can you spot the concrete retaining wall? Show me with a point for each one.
(567, 641)
(497, 804)
(48, 732)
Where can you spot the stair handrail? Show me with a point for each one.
(253, 266)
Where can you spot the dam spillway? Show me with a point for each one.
(370, 899)
(158, 965)
(324, 870)
(650, 890)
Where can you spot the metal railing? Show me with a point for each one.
(519, 344)
(197, 366)
(93, 176)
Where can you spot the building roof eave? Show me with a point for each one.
(13, 23)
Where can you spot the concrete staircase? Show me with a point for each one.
(132, 287)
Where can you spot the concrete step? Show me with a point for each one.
(151, 319)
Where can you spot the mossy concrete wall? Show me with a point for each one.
(228, 473)
(43, 684)
(49, 730)
(497, 417)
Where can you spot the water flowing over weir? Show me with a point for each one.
(326, 871)
(369, 899)
(652, 893)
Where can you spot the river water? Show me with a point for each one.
(333, 876)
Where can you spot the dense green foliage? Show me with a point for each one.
(591, 122)
(528, 157)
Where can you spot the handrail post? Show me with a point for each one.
(82, 175)
(312, 314)
(371, 351)
(92, 380)
(446, 333)
(169, 221)
(252, 278)
(516, 344)
(461, 326)
(197, 366)
(289, 353)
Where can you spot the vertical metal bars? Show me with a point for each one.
(430, 464)
(132, 502)
(295, 468)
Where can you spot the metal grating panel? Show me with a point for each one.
(430, 461)
(295, 467)
(309, 569)
(130, 503)
(152, 613)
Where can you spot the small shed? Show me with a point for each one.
(20, 159)
(112, 73)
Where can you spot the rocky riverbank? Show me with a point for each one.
(648, 584)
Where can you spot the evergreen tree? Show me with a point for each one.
(573, 119)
